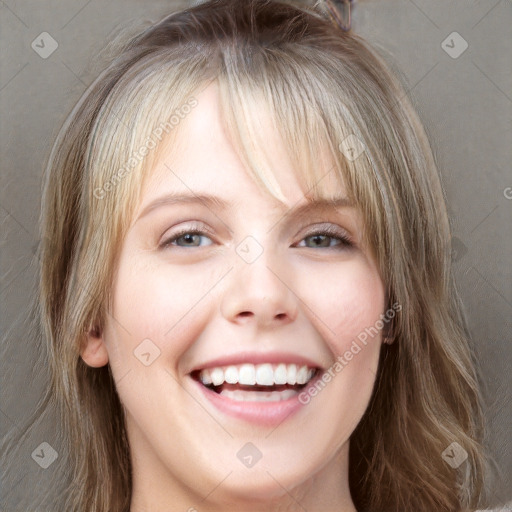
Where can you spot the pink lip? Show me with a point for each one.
(269, 414)
(257, 358)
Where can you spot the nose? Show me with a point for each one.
(259, 292)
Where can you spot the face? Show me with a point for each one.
(233, 334)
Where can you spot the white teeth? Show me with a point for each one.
(231, 375)
(302, 375)
(247, 375)
(280, 374)
(205, 377)
(261, 374)
(292, 374)
(265, 375)
(217, 375)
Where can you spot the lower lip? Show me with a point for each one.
(261, 413)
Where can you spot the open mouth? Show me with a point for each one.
(256, 383)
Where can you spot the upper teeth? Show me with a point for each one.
(260, 374)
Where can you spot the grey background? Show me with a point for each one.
(464, 102)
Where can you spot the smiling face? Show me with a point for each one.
(225, 302)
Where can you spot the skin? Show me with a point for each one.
(196, 303)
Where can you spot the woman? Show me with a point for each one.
(246, 287)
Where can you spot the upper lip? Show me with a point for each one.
(257, 358)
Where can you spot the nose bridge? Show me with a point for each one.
(258, 290)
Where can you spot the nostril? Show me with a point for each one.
(245, 313)
(280, 316)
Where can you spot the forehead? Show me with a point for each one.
(202, 156)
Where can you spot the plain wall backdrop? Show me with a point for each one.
(455, 59)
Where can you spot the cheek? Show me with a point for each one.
(346, 298)
(347, 306)
(166, 304)
(346, 310)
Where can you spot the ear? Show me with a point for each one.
(94, 353)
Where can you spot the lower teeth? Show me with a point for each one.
(258, 396)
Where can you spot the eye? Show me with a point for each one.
(328, 237)
(187, 238)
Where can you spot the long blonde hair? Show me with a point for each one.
(321, 85)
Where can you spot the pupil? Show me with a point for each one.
(190, 238)
(320, 240)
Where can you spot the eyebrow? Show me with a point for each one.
(216, 203)
(209, 201)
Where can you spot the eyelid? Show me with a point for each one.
(193, 227)
(329, 229)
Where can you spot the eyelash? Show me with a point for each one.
(329, 231)
(332, 232)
